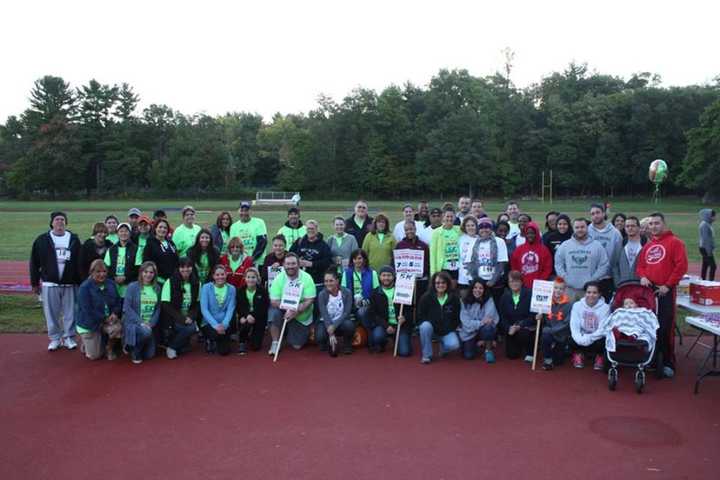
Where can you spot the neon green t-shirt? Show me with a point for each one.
(220, 293)
(166, 296)
(357, 282)
(203, 267)
(248, 233)
(184, 238)
(442, 299)
(148, 301)
(142, 241)
(235, 264)
(390, 294)
(225, 239)
(250, 295)
(307, 291)
(452, 254)
(113, 238)
(119, 269)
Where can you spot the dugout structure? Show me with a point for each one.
(277, 198)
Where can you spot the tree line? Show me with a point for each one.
(460, 133)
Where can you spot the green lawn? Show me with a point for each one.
(23, 221)
(21, 314)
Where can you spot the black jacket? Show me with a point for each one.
(317, 252)
(171, 311)
(89, 253)
(43, 262)
(379, 309)
(510, 314)
(166, 259)
(131, 270)
(445, 319)
(359, 233)
(261, 304)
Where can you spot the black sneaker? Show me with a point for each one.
(348, 349)
(548, 366)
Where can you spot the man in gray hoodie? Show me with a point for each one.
(707, 244)
(611, 240)
(625, 261)
(580, 259)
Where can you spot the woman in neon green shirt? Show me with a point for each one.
(204, 254)
(444, 247)
(141, 312)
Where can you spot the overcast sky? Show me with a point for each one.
(278, 56)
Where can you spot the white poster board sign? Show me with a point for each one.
(291, 295)
(409, 261)
(273, 272)
(404, 287)
(541, 301)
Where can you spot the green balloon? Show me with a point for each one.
(661, 171)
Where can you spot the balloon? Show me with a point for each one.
(658, 171)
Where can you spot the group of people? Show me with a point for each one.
(143, 284)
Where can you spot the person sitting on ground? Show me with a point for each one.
(217, 304)
(99, 308)
(141, 313)
(387, 316)
(587, 314)
(341, 245)
(556, 326)
(180, 308)
(253, 303)
(479, 319)
(335, 307)
(299, 315)
(516, 319)
(236, 263)
(439, 315)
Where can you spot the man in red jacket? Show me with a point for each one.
(532, 258)
(662, 262)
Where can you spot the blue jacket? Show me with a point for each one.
(131, 312)
(213, 313)
(92, 301)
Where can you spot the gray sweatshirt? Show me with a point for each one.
(610, 239)
(623, 265)
(346, 247)
(580, 262)
(707, 236)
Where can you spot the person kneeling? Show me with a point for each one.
(587, 314)
(141, 312)
(386, 316)
(517, 319)
(335, 306)
(479, 320)
(217, 304)
(252, 312)
(98, 313)
(556, 326)
(439, 314)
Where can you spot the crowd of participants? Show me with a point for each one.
(138, 285)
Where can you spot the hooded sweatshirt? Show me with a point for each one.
(663, 260)
(707, 235)
(315, 251)
(610, 239)
(292, 234)
(553, 238)
(579, 262)
(585, 320)
(342, 247)
(557, 322)
(532, 259)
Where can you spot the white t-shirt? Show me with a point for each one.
(399, 230)
(486, 271)
(425, 234)
(335, 306)
(465, 246)
(514, 230)
(62, 250)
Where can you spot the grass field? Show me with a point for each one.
(23, 221)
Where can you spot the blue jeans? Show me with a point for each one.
(144, 347)
(180, 338)
(448, 342)
(377, 336)
(404, 343)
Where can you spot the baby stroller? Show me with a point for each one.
(631, 333)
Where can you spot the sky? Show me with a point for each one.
(278, 56)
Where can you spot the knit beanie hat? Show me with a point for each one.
(386, 269)
(57, 214)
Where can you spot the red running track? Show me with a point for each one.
(311, 416)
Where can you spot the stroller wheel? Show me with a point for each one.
(639, 381)
(612, 379)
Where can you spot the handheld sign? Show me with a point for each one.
(541, 301)
(404, 286)
(272, 273)
(409, 261)
(290, 299)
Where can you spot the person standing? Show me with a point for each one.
(532, 259)
(380, 243)
(430, 225)
(609, 237)
(408, 216)
(360, 223)
(444, 250)
(411, 241)
(132, 219)
(661, 264)
(580, 260)
(221, 232)
(466, 244)
(140, 237)
(236, 263)
(489, 260)
(161, 250)
(423, 214)
(463, 206)
(121, 260)
(341, 245)
(273, 262)
(253, 233)
(512, 210)
(553, 239)
(205, 255)
(477, 209)
(625, 261)
(55, 275)
(184, 235)
(94, 248)
(707, 244)
(293, 230)
(111, 222)
(313, 252)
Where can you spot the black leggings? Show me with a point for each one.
(707, 270)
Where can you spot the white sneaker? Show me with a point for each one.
(171, 353)
(54, 345)
(529, 358)
(273, 348)
(69, 343)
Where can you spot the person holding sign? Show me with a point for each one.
(361, 280)
(556, 326)
(478, 321)
(389, 316)
(335, 306)
(439, 314)
(217, 304)
(341, 244)
(252, 303)
(444, 252)
(586, 316)
(516, 318)
(272, 265)
(141, 312)
(414, 243)
(291, 298)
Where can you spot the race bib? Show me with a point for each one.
(291, 295)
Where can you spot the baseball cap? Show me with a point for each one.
(245, 204)
(134, 211)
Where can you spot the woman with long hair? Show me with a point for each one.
(141, 313)
(478, 319)
(180, 299)
(159, 248)
(94, 247)
(439, 315)
(204, 254)
(379, 243)
(252, 303)
(221, 232)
